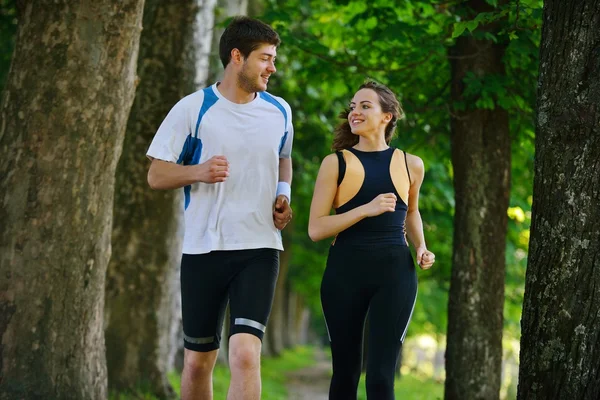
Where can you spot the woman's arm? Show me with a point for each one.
(321, 224)
(414, 223)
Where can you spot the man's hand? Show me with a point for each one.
(282, 212)
(213, 170)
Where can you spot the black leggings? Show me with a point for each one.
(383, 282)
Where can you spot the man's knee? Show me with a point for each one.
(244, 352)
(198, 364)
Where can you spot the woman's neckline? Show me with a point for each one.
(370, 151)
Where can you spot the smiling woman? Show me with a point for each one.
(374, 190)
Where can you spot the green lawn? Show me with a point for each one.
(410, 387)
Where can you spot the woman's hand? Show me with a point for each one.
(385, 202)
(425, 258)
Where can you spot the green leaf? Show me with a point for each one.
(459, 28)
(472, 25)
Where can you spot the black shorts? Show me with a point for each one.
(246, 278)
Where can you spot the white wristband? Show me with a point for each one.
(285, 189)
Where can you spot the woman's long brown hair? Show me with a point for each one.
(344, 138)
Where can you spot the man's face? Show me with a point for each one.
(257, 68)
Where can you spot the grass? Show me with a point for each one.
(410, 387)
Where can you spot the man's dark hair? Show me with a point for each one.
(245, 34)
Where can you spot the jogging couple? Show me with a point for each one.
(229, 147)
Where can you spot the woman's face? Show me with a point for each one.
(366, 114)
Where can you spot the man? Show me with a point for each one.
(229, 147)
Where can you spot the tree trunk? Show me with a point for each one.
(204, 38)
(481, 161)
(278, 318)
(298, 320)
(290, 335)
(560, 345)
(142, 293)
(223, 10)
(64, 113)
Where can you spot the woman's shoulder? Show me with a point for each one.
(414, 162)
(330, 161)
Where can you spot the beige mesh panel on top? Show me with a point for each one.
(352, 182)
(399, 175)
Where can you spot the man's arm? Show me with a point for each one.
(168, 175)
(282, 212)
(285, 170)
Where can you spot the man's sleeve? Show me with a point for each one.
(286, 149)
(169, 143)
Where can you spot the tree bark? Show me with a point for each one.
(204, 38)
(481, 161)
(223, 10)
(142, 293)
(64, 113)
(290, 335)
(278, 317)
(560, 343)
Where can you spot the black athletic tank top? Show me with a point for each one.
(387, 228)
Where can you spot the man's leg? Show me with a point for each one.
(196, 379)
(250, 298)
(204, 279)
(244, 362)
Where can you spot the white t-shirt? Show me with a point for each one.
(238, 213)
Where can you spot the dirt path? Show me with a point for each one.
(311, 383)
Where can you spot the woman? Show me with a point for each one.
(374, 189)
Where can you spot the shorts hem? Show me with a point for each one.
(246, 329)
(201, 348)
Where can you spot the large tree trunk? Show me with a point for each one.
(560, 343)
(142, 293)
(481, 161)
(278, 318)
(64, 113)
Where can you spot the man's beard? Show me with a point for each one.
(248, 84)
